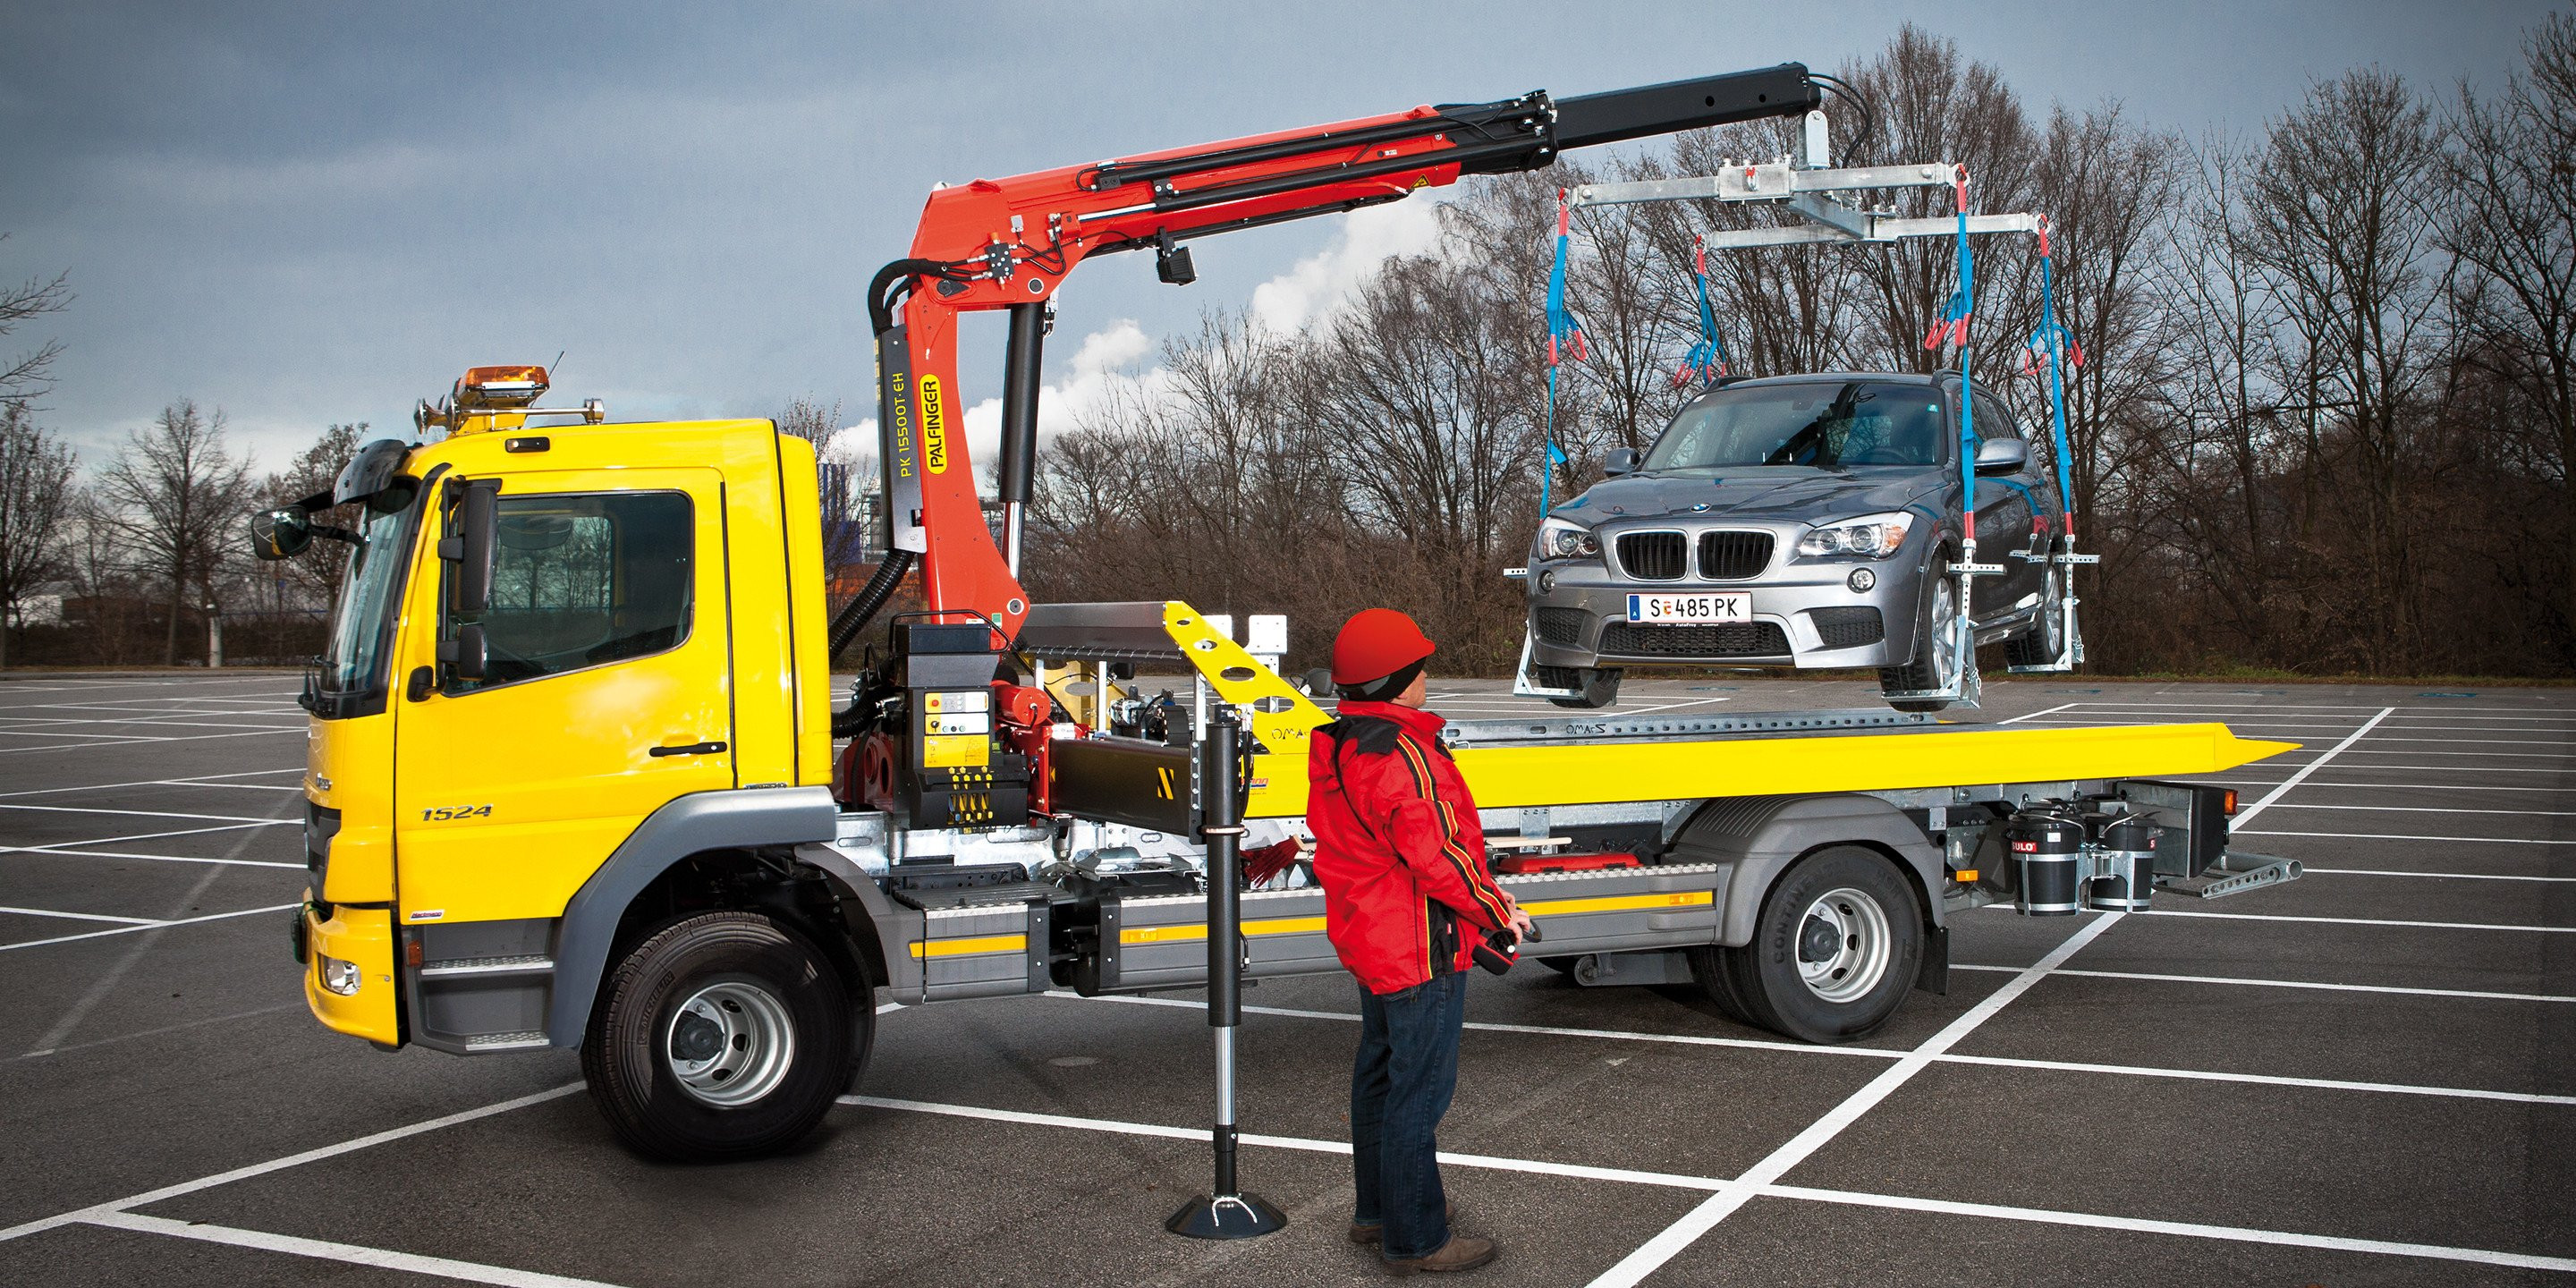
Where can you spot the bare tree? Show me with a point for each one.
(2342, 222)
(35, 491)
(180, 493)
(2512, 233)
(28, 374)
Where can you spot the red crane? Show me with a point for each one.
(1008, 243)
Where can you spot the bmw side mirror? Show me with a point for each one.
(1621, 460)
(2002, 456)
(280, 534)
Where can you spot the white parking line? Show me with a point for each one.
(2354, 921)
(127, 930)
(156, 858)
(2311, 767)
(1884, 1053)
(2439, 809)
(2035, 714)
(1735, 1193)
(200, 737)
(350, 1253)
(2428, 787)
(2250, 982)
(2188, 1229)
(1651, 1257)
(81, 916)
(2413, 836)
(203, 780)
(2440, 876)
(147, 813)
(166, 1192)
(2498, 755)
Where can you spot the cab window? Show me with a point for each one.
(585, 580)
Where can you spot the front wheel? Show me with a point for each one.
(1596, 687)
(1938, 659)
(1839, 942)
(724, 1035)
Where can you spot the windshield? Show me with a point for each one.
(1829, 425)
(355, 661)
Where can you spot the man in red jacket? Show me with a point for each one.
(1401, 857)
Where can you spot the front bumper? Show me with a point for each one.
(364, 936)
(1805, 615)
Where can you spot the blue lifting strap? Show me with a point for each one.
(1706, 362)
(2052, 340)
(1953, 328)
(1563, 332)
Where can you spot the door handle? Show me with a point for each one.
(688, 749)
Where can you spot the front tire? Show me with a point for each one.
(1598, 687)
(1838, 944)
(721, 1036)
(1938, 659)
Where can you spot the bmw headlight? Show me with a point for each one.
(1874, 536)
(1560, 539)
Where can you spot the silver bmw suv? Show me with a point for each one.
(1799, 521)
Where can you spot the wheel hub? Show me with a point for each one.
(1844, 945)
(730, 1043)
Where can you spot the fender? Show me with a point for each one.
(688, 825)
(1757, 837)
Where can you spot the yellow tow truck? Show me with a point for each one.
(573, 779)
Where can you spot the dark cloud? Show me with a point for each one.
(320, 212)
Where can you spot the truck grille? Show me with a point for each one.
(1735, 639)
(1560, 625)
(1733, 556)
(1849, 627)
(1653, 556)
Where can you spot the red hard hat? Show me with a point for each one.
(1377, 643)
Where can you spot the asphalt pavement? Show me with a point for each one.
(2364, 1077)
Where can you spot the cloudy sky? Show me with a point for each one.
(313, 213)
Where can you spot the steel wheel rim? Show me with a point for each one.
(730, 1043)
(1945, 634)
(1863, 945)
(2052, 612)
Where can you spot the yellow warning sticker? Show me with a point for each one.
(956, 751)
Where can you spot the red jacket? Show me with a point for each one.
(1398, 848)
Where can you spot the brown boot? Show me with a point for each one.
(1461, 1252)
(1372, 1233)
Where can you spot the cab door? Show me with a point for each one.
(606, 688)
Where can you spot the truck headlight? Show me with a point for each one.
(340, 977)
(1874, 536)
(1560, 539)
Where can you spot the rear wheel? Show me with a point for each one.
(1596, 687)
(2046, 640)
(1937, 656)
(720, 1036)
(1839, 942)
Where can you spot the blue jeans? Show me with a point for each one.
(1400, 1086)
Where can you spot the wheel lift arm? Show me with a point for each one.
(1008, 243)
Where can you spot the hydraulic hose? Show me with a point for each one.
(854, 615)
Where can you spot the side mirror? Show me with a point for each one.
(470, 547)
(280, 534)
(2002, 456)
(463, 656)
(1621, 460)
(1319, 682)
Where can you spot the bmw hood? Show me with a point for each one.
(1769, 493)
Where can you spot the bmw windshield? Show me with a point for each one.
(1826, 425)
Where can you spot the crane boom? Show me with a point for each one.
(1008, 243)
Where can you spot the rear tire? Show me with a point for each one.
(1838, 944)
(1599, 688)
(2046, 641)
(1936, 663)
(724, 1035)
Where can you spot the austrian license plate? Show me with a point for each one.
(1721, 606)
